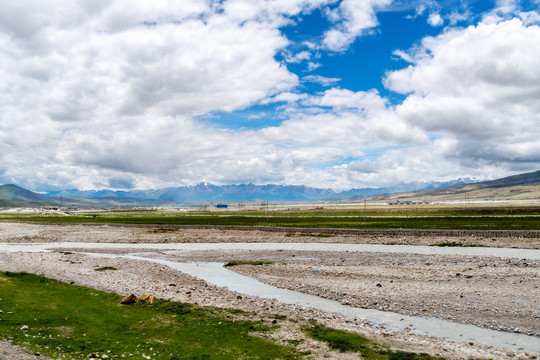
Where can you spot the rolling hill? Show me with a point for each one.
(516, 187)
(15, 196)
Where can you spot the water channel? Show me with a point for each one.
(530, 254)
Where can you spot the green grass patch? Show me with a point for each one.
(479, 219)
(239, 262)
(62, 320)
(105, 268)
(345, 341)
(457, 244)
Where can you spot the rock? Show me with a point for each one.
(510, 354)
(130, 299)
(24, 327)
(149, 298)
(144, 297)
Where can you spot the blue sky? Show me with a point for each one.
(360, 68)
(328, 93)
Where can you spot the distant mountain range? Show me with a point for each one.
(250, 192)
(209, 192)
(12, 195)
(358, 194)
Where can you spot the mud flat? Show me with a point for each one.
(491, 292)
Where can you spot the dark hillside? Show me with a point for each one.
(512, 183)
(532, 178)
(13, 193)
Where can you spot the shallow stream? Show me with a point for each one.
(531, 254)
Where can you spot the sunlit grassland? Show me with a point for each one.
(516, 218)
(58, 319)
(345, 341)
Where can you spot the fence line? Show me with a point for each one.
(529, 234)
(532, 234)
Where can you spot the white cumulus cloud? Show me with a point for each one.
(353, 18)
(435, 19)
(479, 88)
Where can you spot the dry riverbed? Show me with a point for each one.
(496, 293)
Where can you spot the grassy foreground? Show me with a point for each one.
(348, 342)
(68, 321)
(62, 320)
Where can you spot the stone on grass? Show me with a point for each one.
(130, 299)
(144, 297)
(149, 298)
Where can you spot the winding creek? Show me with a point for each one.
(214, 273)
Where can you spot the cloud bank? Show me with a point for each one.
(107, 94)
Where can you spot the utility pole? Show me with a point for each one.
(365, 210)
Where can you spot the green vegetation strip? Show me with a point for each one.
(456, 244)
(104, 268)
(238, 262)
(58, 319)
(311, 220)
(349, 342)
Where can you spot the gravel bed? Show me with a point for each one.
(489, 292)
(8, 351)
(500, 294)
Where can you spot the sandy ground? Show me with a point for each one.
(490, 292)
